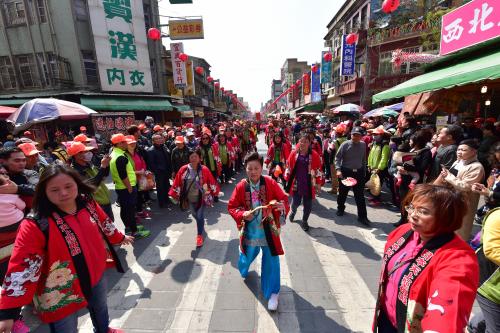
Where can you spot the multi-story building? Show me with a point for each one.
(410, 28)
(291, 71)
(79, 50)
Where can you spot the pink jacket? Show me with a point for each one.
(11, 209)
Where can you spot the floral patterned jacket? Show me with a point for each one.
(42, 269)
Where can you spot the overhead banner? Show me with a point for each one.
(121, 46)
(186, 29)
(178, 66)
(326, 69)
(316, 86)
(306, 84)
(190, 87)
(347, 58)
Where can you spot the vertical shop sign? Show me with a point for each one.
(326, 69)
(316, 86)
(347, 59)
(178, 66)
(190, 86)
(121, 45)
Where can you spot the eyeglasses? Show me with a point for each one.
(420, 212)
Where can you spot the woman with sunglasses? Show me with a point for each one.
(60, 256)
(429, 274)
(209, 155)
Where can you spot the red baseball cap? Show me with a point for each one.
(81, 138)
(78, 147)
(130, 139)
(117, 138)
(28, 149)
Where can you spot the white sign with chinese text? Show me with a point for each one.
(121, 45)
(178, 66)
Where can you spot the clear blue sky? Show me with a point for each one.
(247, 42)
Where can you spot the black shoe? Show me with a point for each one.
(365, 221)
(216, 199)
(340, 212)
(292, 216)
(304, 226)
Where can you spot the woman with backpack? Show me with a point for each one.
(59, 256)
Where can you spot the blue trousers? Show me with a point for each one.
(199, 216)
(270, 271)
(98, 309)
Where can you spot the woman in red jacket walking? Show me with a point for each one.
(59, 256)
(429, 274)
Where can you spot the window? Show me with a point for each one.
(90, 66)
(411, 67)
(27, 70)
(45, 69)
(15, 12)
(54, 66)
(364, 17)
(7, 74)
(384, 64)
(81, 10)
(42, 13)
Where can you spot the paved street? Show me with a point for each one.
(329, 275)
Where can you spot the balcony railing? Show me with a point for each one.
(350, 87)
(412, 29)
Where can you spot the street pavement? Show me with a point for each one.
(329, 275)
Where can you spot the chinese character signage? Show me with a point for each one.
(186, 29)
(121, 45)
(306, 84)
(178, 66)
(326, 69)
(315, 86)
(347, 58)
(189, 90)
(109, 123)
(472, 23)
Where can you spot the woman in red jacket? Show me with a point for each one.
(429, 274)
(59, 256)
(260, 228)
(277, 155)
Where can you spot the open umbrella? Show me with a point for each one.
(381, 112)
(349, 108)
(40, 110)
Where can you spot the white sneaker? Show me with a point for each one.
(273, 302)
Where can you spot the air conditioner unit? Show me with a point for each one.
(328, 43)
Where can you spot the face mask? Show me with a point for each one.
(87, 157)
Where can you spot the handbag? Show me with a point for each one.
(183, 198)
(147, 182)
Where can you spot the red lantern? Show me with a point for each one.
(222, 89)
(210, 79)
(184, 57)
(328, 57)
(315, 68)
(388, 6)
(292, 86)
(298, 82)
(352, 38)
(217, 84)
(305, 77)
(199, 70)
(154, 34)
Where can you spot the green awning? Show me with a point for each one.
(468, 71)
(13, 101)
(182, 108)
(126, 103)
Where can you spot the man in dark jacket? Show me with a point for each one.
(446, 154)
(180, 155)
(159, 162)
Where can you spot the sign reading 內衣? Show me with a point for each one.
(472, 23)
(121, 45)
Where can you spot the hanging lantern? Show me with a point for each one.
(199, 70)
(328, 57)
(154, 34)
(217, 84)
(222, 89)
(352, 38)
(298, 82)
(210, 79)
(388, 6)
(184, 57)
(315, 68)
(292, 86)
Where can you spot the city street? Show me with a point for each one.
(328, 275)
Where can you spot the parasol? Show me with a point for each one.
(348, 108)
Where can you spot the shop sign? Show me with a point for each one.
(326, 69)
(315, 86)
(121, 46)
(190, 89)
(107, 124)
(178, 66)
(306, 85)
(185, 29)
(347, 59)
(472, 23)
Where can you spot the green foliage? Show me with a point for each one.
(433, 34)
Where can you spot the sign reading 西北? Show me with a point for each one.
(348, 56)
(178, 66)
(186, 29)
(472, 23)
(121, 45)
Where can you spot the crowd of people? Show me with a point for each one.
(56, 209)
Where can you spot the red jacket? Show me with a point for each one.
(240, 202)
(230, 152)
(42, 269)
(285, 152)
(314, 170)
(441, 296)
(207, 181)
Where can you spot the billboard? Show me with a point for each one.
(121, 46)
(186, 29)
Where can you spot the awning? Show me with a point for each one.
(126, 103)
(465, 72)
(182, 107)
(6, 111)
(14, 101)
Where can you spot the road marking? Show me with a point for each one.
(372, 240)
(135, 280)
(350, 290)
(194, 311)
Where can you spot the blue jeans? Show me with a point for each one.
(98, 309)
(491, 313)
(270, 270)
(199, 216)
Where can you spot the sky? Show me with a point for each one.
(247, 42)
